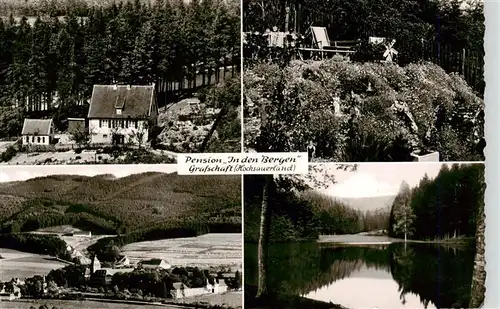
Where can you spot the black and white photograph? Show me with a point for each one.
(367, 235)
(125, 81)
(119, 236)
(365, 80)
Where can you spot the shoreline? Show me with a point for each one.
(384, 240)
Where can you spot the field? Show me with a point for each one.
(203, 251)
(232, 299)
(16, 264)
(67, 304)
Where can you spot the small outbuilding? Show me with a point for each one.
(37, 131)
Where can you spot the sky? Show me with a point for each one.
(18, 173)
(379, 179)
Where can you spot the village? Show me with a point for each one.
(126, 278)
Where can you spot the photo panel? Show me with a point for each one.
(368, 235)
(100, 82)
(119, 236)
(365, 81)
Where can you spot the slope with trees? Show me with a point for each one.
(445, 207)
(137, 207)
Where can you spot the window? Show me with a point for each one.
(32, 139)
(121, 124)
(100, 123)
(27, 139)
(126, 124)
(38, 139)
(43, 139)
(135, 124)
(105, 135)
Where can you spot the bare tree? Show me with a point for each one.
(319, 176)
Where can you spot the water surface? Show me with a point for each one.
(367, 276)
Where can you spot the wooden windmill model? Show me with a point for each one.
(390, 52)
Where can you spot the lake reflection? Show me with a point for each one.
(379, 290)
(383, 276)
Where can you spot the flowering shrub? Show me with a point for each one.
(362, 111)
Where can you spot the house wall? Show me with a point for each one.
(103, 134)
(220, 288)
(189, 292)
(34, 140)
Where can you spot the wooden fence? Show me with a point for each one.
(469, 64)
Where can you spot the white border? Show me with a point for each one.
(492, 168)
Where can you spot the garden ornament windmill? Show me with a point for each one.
(390, 51)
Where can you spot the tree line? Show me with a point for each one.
(447, 206)
(36, 243)
(305, 215)
(448, 22)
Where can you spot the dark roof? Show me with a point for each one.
(135, 101)
(152, 262)
(37, 126)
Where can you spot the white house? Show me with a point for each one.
(122, 114)
(124, 261)
(155, 264)
(37, 131)
(180, 290)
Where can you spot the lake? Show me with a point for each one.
(368, 276)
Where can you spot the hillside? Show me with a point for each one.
(367, 203)
(122, 205)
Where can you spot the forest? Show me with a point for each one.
(305, 215)
(440, 208)
(445, 207)
(128, 42)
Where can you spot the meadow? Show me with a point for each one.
(17, 264)
(202, 251)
